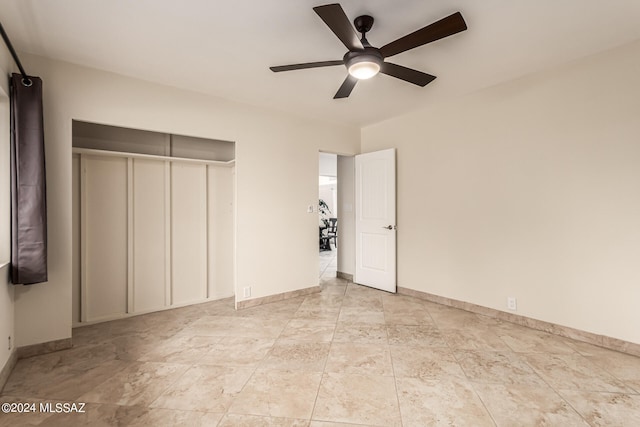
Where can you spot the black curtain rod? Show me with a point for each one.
(25, 78)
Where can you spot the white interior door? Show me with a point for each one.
(376, 220)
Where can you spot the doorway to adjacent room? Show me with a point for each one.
(328, 215)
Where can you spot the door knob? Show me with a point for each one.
(389, 227)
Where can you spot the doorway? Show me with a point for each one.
(336, 186)
(328, 215)
(366, 245)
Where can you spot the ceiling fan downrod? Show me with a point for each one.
(363, 24)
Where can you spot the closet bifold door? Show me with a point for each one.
(104, 241)
(188, 232)
(149, 233)
(220, 217)
(149, 239)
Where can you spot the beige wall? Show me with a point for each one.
(529, 189)
(6, 289)
(273, 150)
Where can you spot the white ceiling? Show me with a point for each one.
(225, 48)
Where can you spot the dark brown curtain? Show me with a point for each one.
(28, 191)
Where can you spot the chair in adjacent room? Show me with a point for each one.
(332, 231)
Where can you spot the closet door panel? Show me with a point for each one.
(75, 236)
(105, 204)
(148, 234)
(188, 232)
(220, 209)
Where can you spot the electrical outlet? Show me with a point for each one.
(9, 342)
(247, 291)
(512, 303)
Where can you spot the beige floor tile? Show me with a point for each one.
(237, 326)
(157, 417)
(164, 324)
(361, 315)
(356, 289)
(477, 337)
(205, 388)
(415, 335)
(365, 359)
(452, 318)
(525, 340)
(332, 297)
(587, 349)
(329, 313)
(61, 382)
(623, 366)
(497, 368)
(235, 420)
(24, 418)
(238, 351)
(357, 399)
(92, 334)
(329, 278)
(212, 326)
(276, 310)
(515, 404)
(426, 363)
(128, 326)
(162, 327)
(181, 349)
(334, 287)
(440, 403)
(77, 358)
(605, 409)
(633, 384)
(219, 308)
(363, 333)
(362, 301)
(95, 414)
(391, 299)
(274, 393)
(134, 416)
(135, 346)
(573, 371)
(406, 311)
(389, 359)
(408, 317)
(309, 330)
(304, 356)
(331, 424)
(139, 384)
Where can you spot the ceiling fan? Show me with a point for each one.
(364, 61)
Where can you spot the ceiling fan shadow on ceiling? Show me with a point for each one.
(364, 61)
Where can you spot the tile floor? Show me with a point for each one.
(348, 356)
(329, 263)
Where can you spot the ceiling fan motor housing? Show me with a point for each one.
(369, 55)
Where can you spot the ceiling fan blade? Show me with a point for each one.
(346, 88)
(333, 15)
(445, 27)
(407, 74)
(305, 66)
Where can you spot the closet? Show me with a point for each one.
(153, 221)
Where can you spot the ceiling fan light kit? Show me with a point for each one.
(363, 66)
(364, 61)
